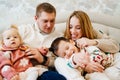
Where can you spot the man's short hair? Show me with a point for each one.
(46, 7)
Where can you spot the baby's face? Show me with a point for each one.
(11, 38)
(66, 49)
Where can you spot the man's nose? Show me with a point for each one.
(48, 24)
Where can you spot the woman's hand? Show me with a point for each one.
(94, 67)
(34, 54)
(84, 42)
(81, 59)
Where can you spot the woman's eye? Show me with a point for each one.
(15, 37)
(78, 27)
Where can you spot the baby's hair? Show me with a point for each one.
(55, 44)
(14, 26)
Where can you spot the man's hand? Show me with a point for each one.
(34, 54)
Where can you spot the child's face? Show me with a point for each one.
(11, 38)
(66, 49)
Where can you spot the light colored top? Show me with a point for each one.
(33, 37)
(107, 44)
(13, 61)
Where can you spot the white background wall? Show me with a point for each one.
(19, 11)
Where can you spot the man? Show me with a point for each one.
(41, 34)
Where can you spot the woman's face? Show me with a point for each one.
(75, 28)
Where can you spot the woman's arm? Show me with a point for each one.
(106, 43)
(94, 67)
(102, 41)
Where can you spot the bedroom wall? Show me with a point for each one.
(20, 11)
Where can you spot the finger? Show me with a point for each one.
(82, 66)
(95, 69)
(81, 46)
(29, 54)
(87, 55)
(28, 50)
(98, 68)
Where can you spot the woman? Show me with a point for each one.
(79, 29)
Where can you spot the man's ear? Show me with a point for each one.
(71, 41)
(35, 17)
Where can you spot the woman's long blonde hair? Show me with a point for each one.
(86, 26)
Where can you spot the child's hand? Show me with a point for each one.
(43, 50)
(16, 77)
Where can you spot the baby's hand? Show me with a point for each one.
(16, 77)
(43, 50)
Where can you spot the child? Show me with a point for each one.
(14, 63)
(66, 49)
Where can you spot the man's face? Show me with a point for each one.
(46, 22)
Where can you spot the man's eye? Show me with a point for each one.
(70, 27)
(52, 21)
(45, 21)
(7, 38)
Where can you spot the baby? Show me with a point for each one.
(14, 63)
(64, 48)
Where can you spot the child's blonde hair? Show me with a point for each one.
(14, 27)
